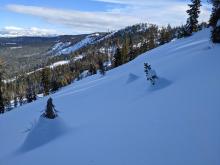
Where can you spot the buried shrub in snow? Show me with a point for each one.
(50, 111)
(150, 74)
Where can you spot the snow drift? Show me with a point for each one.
(118, 119)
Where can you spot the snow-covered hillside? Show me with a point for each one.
(119, 119)
(66, 48)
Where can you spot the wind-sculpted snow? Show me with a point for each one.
(121, 119)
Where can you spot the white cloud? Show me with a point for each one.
(159, 12)
(130, 12)
(12, 31)
(77, 20)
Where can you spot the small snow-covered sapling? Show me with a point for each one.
(150, 74)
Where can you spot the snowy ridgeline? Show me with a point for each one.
(65, 48)
(121, 119)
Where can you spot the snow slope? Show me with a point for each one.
(66, 48)
(119, 119)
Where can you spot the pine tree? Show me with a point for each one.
(182, 32)
(132, 52)
(152, 37)
(162, 38)
(21, 93)
(15, 101)
(125, 51)
(150, 73)
(101, 67)
(215, 21)
(193, 12)
(169, 33)
(2, 106)
(54, 85)
(117, 58)
(46, 81)
(92, 69)
(30, 93)
(50, 111)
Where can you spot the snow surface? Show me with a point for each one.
(63, 62)
(119, 119)
(72, 48)
(60, 45)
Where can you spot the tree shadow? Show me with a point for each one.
(44, 132)
(131, 78)
(160, 84)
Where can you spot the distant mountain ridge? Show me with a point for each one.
(28, 53)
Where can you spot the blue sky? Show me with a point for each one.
(85, 16)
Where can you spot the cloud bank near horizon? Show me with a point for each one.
(130, 12)
(12, 31)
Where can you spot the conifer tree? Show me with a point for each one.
(92, 69)
(150, 73)
(152, 37)
(30, 93)
(182, 31)
(50, 111)
(21, 94)
(46, 81)
(101, 67)
(215, 21)
(193, 12)
(131, 49)
(15, 101)
(117, 58)
(2, 106)
(125, 51)
(54, 85)
(162, 37)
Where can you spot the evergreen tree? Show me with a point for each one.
(50, 111)
(132, 52)
(193, 12)
(152, 37)
(92, 69)
(125, 51)
(117, 58)
(150, 73)
(162, 38)
(2, 106)
(181, 31)
(54, 85)
(169, 33)
(165, 35)
(215, 21)
(131, 49)
(21, 94)
(30, 93)
(101, 67)
(15, 101)
(46, 81)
